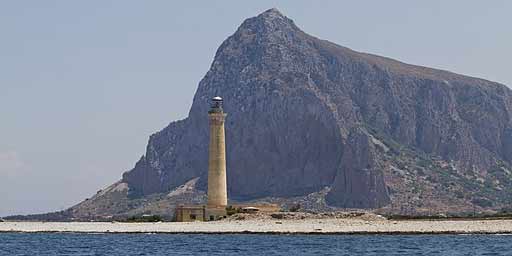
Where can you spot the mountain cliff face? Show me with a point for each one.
(306, 115)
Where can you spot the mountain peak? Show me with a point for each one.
(274, 18)
(272, 13)
(270, 23)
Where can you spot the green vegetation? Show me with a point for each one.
(230, 210)
(295, 208)
(426, 176)
(482, 202)
(461, 216)
(144, 218)
(278, 216)
(394, 147)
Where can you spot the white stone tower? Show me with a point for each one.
(217, 188)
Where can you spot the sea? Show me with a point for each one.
(244, 244)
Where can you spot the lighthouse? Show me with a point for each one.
(217, 188)
(217, 203)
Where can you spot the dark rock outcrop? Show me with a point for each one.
(303, 113)
(359, 182)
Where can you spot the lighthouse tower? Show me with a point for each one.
(217, 203)
(217, 188)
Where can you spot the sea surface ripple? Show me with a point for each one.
(17, 244)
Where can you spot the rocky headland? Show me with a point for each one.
(320, 125)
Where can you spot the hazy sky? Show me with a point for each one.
(84, 83)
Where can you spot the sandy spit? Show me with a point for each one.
(309, 226)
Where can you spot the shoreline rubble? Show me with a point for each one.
(298, 227)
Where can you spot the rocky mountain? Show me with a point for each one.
(310, 119)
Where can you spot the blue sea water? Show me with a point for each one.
(167, 244)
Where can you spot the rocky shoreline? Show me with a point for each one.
(259, 226)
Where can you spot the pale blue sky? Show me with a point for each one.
(84, 83)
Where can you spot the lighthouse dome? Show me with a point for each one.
(216, 105)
